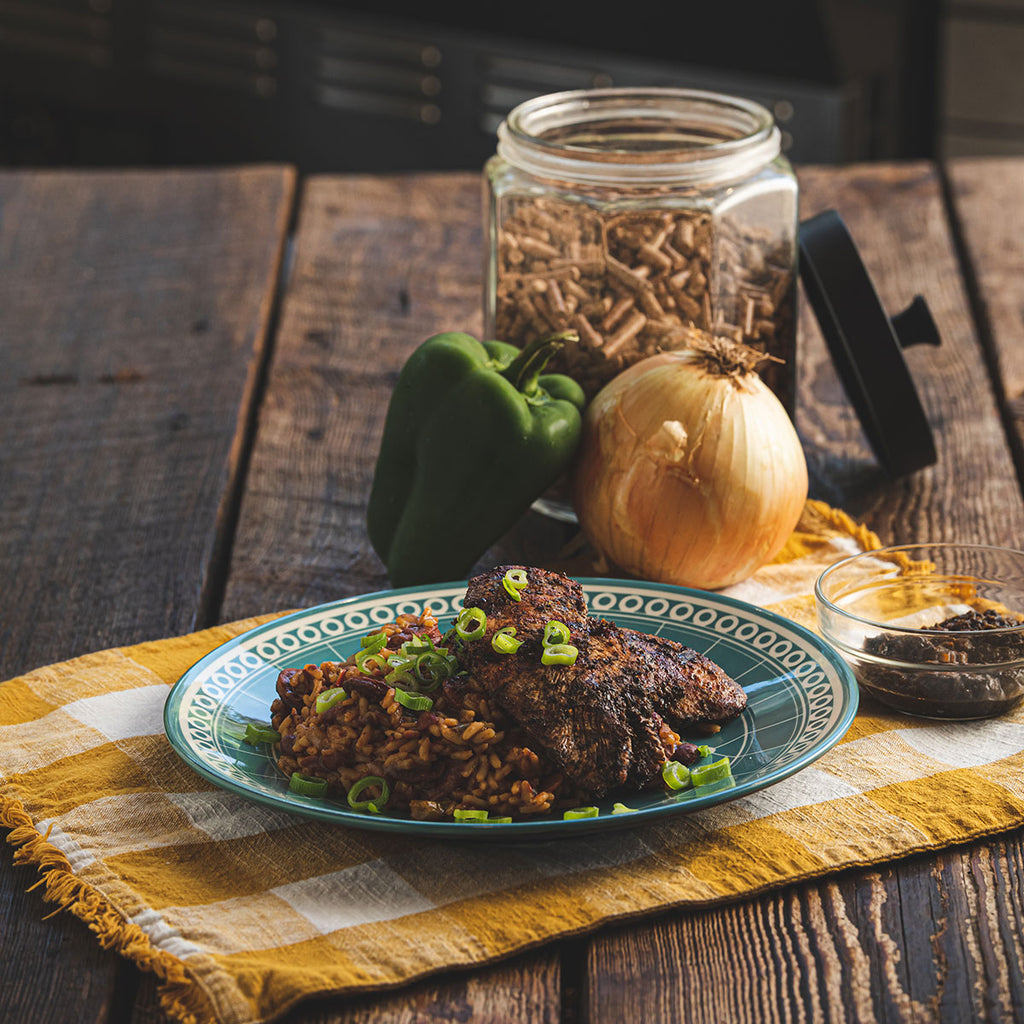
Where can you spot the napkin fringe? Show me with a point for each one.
(866, 538)
(180, 997)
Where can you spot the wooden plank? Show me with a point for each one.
(380, 264)
(932, 939)
(988, 203)
(135, 306)
(927, 939)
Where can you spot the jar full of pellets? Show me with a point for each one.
(634, 216)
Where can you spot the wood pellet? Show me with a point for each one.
(630, 284)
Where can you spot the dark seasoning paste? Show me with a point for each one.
(977, 638)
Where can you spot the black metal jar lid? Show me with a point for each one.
(867, 345)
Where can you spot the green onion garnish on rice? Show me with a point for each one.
(431, 668)
(255, 733)
(328, 698)
(372, 664)
(420, 645)
(307, 785)
(402, 675)
(373, 643)
(413, 701)
(676, 775)
(376, 805)
(705, 774)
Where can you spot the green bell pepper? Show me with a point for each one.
(474, 433)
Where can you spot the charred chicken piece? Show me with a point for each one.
(601, 720)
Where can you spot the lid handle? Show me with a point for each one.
(915, 325)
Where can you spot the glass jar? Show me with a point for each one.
(634, 216)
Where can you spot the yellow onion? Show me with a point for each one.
(690, 470)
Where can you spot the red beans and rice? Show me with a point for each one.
(463, 753)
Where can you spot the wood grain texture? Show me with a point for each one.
(134, 312)
(930, 939)
(988, 205)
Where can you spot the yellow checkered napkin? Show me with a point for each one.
(242, 910)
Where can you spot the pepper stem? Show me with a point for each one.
(524, 371)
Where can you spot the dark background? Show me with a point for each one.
(386, 85)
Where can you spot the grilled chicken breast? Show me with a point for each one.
(603, 719)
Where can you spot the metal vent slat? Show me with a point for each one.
(218, 46)
(366, 73)
(252, 22)
(351, 72)
(74, 31)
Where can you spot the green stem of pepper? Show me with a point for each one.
(524, 371)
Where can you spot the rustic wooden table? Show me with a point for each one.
(195, 369)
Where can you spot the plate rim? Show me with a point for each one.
(529, 829)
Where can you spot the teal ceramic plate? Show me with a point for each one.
(801, 698)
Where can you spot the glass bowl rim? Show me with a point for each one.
(822, 601)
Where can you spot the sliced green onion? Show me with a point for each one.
(413, 701)
(374, 642)
(403, 676)
(328, 698)
(372, 664)
(676, 775)
(559, 654)
(306, 785)
(622, 809)
(471, 623)
(432, 668)
(260, 734)
(704, 750)
(514, 581)
(468, 814)
(474, 816)
(580, 812)
(555, 632)
(504, 641)
(518, 578)
(376, 806)
(705, 774)
(418, 646)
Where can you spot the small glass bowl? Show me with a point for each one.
(933, 630)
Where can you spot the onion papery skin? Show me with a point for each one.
(687, 476)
